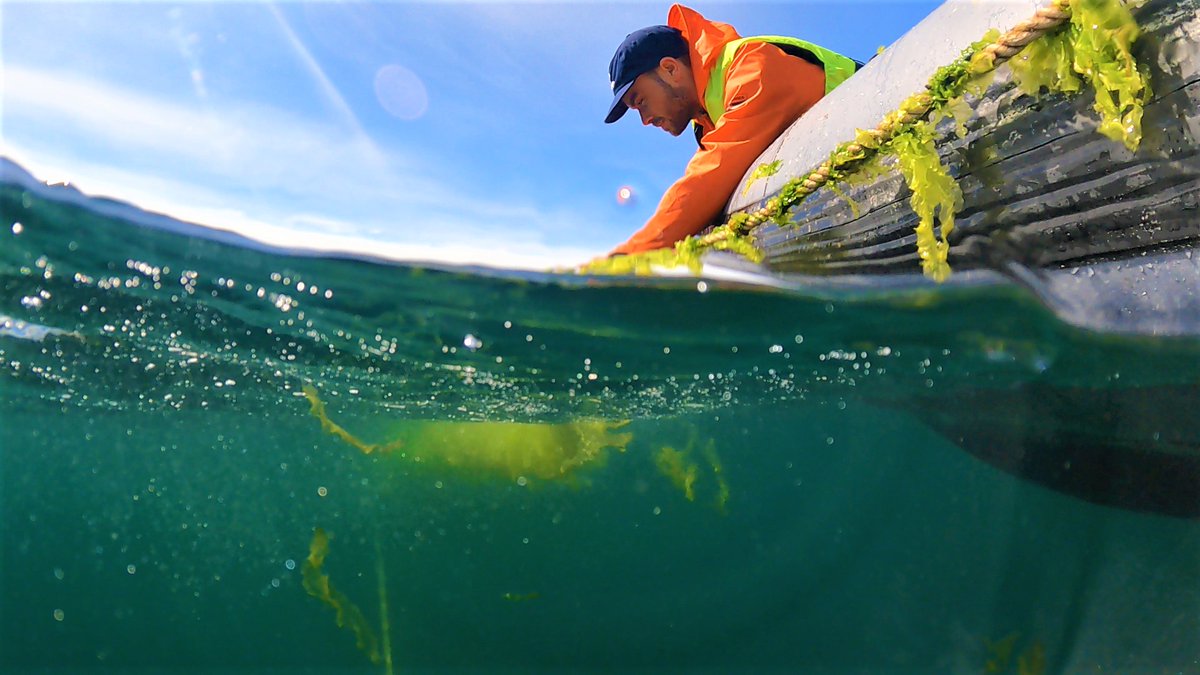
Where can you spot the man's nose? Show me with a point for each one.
(646, 118)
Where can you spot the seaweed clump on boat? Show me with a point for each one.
(733, 236)
(934, 194)
(1096, 49)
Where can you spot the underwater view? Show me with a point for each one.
(217, 456)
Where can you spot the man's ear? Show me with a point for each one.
(670, 65)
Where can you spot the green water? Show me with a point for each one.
(161, 476)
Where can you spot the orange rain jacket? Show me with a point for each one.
(765, 91)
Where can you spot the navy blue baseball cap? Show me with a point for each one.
(640, 53)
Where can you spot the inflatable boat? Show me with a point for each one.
(1106, 236)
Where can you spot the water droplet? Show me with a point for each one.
(59, 615)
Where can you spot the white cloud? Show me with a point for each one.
(283, 172)
(218, 138)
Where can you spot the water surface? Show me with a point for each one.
(884, 478)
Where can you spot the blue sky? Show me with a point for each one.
(457, 132)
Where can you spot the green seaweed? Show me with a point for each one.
(950, 81)
(348, 615)
(868, 170)
(999, 653)
(1046, 64)
(790, 194)
(762, 171)
(686, 253)
(1032, 661)
(644, 263)
(739, 222)
(677, 466)
(1096, 49)
(854, 210)
(999, 658)
(935, 195)
(958, 110)
(317, 409)
(1102, 35)
(721, 501)
(680, 467)
(511, 449)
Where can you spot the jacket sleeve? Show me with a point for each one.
(765, 91)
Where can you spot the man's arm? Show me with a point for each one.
(765, 91)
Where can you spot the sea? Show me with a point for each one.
(218, 456)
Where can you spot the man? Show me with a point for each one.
(740, 94)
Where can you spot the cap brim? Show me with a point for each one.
(618, 107)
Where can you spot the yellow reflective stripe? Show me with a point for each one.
(838, 69)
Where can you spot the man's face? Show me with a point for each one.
(664, 97)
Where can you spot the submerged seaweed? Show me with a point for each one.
(514, 450)
(348, 615)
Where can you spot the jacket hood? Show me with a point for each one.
(705, 39)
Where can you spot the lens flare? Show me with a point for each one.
(624, 194)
